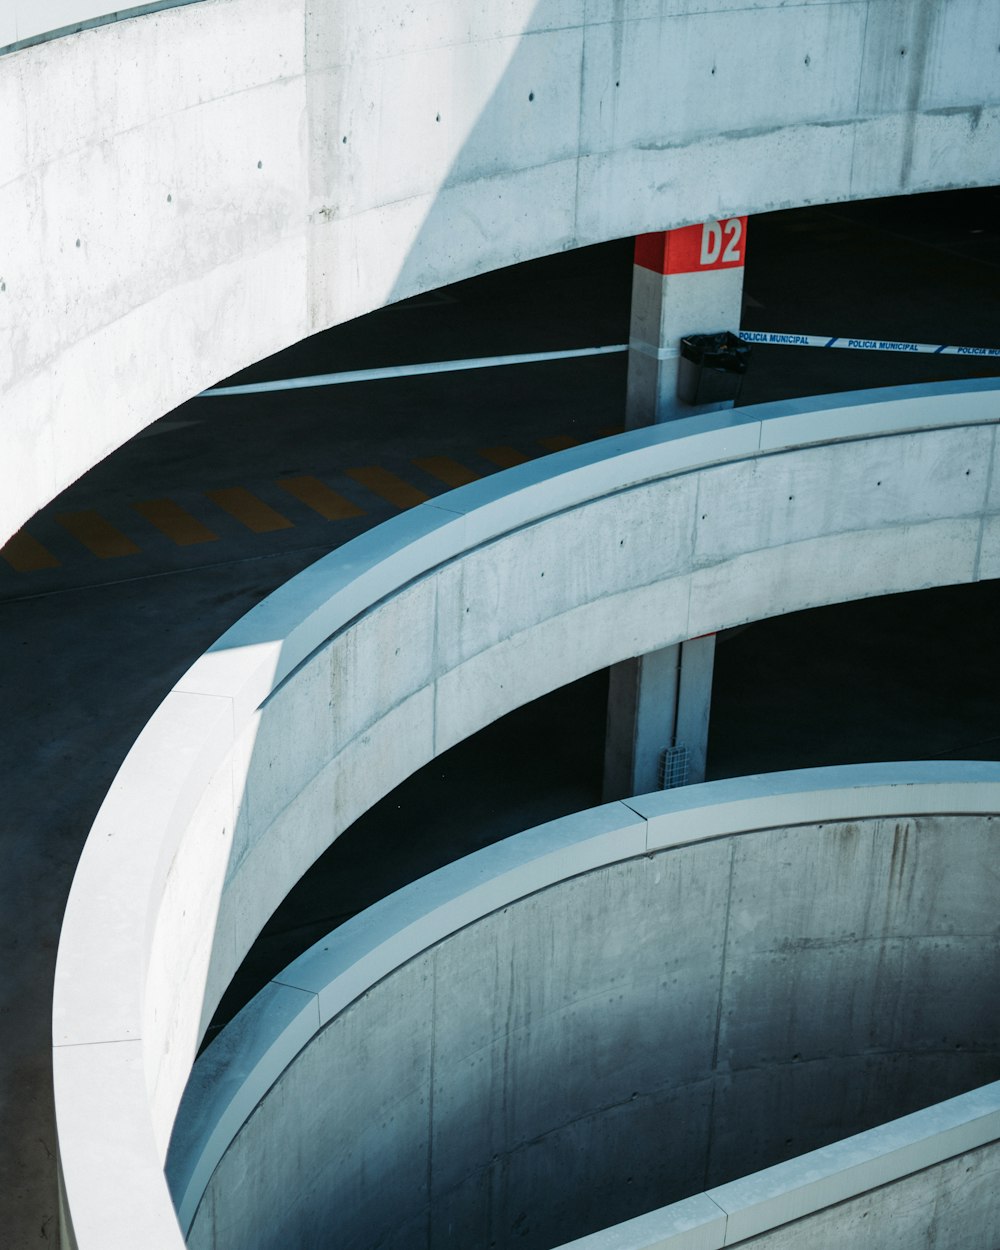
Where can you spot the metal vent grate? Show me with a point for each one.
(674, 767)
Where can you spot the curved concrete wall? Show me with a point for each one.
(620, 1009)
(24, 22)
(184, 193)
(415, 635)
(421, 631)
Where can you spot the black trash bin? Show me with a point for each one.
(712, 368)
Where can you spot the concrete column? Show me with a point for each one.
(686, 281)
(657, 701)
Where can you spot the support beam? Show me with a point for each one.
(685, 281)
(656, 701)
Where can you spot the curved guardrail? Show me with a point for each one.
(415, 635)
(811, 810)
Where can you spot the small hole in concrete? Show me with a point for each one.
(790, 498)
(808, 59)
(713, 69)
(344, 139)
(170, 199)
(438, 117)
(78, 242)
(260, 164)
(902, 52)
(531, 96)
(617, 84)
(704, 516)
(967, 472)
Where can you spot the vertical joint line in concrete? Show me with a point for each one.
(725, 1215)
(235, 804)
(634, 811)
(718, 1010)
(434, 672)
(678, 672)
(861, 87)
(430, 1104)
(579, 132)
(984, 513)
(695, 522)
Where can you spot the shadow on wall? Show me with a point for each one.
(540, 149)
(651, 130)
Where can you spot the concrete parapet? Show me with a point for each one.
(184, 193)
(27, 22)
(922, 1181)
(801, 953)
(414, 636)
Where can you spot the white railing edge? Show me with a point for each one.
(237, 1069)
(256, 654)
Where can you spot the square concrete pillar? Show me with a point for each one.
(686, 281)
(658, 701)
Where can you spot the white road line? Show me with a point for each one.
(409, 371)
(530, 358)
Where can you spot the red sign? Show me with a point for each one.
(714, 245)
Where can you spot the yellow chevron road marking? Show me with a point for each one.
(176, 522)
(388, 486)
(25, 554)
(449, 471)
(249, 510)
(98, 535)
(318, 496)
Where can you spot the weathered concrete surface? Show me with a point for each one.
(638, 1034)
(34, 20)
(184, 193)
(508, 589)
(950, 1206)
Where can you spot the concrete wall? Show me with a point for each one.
(183, 193)
(626, 1008)
(417, 634)
(32, 21)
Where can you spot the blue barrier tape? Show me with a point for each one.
(864, 345)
